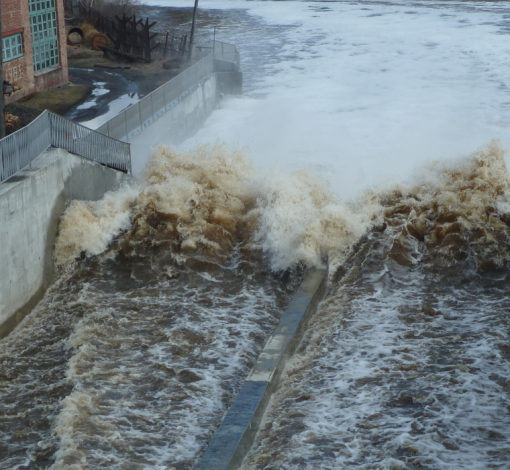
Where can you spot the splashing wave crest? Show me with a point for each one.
(211, 199)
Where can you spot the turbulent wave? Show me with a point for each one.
(458, 214)
(172, 286)
(137, 350)
(90, 226)
(406, 363)
(210, 200)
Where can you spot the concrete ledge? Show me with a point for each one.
(224, 66)
(235, 436)
(230, 438)
(31, 203)
(230, 83)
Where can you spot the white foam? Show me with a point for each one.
(206, 196)
(90, 226)
(132, 402)
(358, 98)
(366, 353)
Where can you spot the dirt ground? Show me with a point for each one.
(25, 115)
(148, 76)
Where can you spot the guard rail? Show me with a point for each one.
(134, 119)
(22, 147)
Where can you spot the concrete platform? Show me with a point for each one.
(235, 436)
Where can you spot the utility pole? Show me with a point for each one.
(192, 36)
(2, 111)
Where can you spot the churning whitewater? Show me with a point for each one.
(406, 364)
(169, 288)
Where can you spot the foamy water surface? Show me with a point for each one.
(406, 363)
(131, 360)
(361, 92)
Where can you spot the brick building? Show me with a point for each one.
(34, 45)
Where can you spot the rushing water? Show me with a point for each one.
(168, 288)
(407, 364)
(133, 355)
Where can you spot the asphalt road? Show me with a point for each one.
(105, 87)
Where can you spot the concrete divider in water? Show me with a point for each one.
(235, 436)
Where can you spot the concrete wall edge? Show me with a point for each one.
(235, 436)
(31, 204)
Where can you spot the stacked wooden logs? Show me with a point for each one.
(87, 35)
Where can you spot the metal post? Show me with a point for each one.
(183, 44)
(2, 110)
(166, 43)
(192, 36)
(172, 41)
(147, 46)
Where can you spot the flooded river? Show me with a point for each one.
(363, 142)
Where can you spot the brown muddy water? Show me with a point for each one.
(168, 290)
(133, 355)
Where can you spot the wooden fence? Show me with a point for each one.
(131, 37)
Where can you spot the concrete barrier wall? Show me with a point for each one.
(31, 203)
(177, 124)
(233, 439)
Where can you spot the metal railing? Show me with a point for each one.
(22, 147)
(133, 120)
(89, 144)
(142, 114)
(226, 52)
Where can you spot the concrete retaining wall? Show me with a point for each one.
(31, 203)
(177, 124)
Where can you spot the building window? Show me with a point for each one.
(43, 26)
(12, 47)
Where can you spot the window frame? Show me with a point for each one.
(44, 31)
(9, 49)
